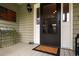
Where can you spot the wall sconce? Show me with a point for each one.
(29, 8)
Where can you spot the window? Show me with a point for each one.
(65, 12)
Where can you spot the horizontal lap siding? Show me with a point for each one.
(75, 20)
(26, 24)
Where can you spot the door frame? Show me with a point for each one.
(62, 36)
(36, 33)
(68, 41)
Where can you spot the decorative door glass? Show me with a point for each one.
(49, 19)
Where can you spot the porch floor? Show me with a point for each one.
(24, 49)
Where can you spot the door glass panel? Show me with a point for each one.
(65, 12)
(49, 19)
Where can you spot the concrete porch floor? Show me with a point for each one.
(24, 49)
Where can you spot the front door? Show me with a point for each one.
(50, 16)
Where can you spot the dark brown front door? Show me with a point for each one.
(50, 15)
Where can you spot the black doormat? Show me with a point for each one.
(47, 49)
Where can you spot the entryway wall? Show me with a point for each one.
(9, 30)
(25, 20)
(66, 29)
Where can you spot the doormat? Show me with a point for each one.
(47, 49)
